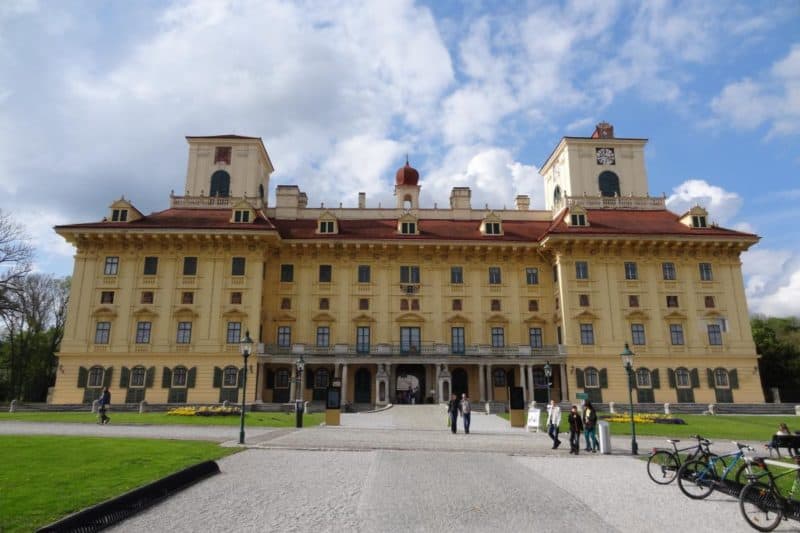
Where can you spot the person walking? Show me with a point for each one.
(553, 421)
(453, 408)
(105, 401)
(466, 411)
(575, 430)
(589, 427)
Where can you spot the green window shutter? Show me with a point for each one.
(733, 377)
(107, 377)
(695, 377)
(240, 379)
(710, 376)
(124, 377)
(191, 377)
(83, 377)
(217, 377)
(579, 378)
(166, 378)
(654, 379)
(603, 378)
(671, 378)
(150, 377)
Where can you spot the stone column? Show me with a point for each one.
(531, 388)
(522, 381)
(563, 373)
(390, 372)
(482, 382)
(262, 369)
(489, 384)
(293, 385)
(344, 383)
(303, 383)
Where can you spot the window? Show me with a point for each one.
(557, 303)
(222, 154)
(143, 332)
(583, 300)
(409, 274)
(457, 340)
(286, 303)
(714, 335)
(150, 266)
(326, 226)
(498, 337)
(535, 337)
(682, 379)
(705, 272)
(643, 378)
(495, 305)
(709, 302)
(698, 221)
(107, 297)
(558, 334)
(631, 272)
(325, 273)
(637, 334)
(533, 305)
(284, 336)
(282, 379)
(137, 377)
(220, 184)
(499, 377)
(676, 334)
(409, 340)
(363, 304)
(578, 220)
(96, 374)
(591, 378)
(237, 266)
(189, 266)
(234, 334)
(323, 336)
(187, 298)
(287, 273)
(532, 276)
(408, 228)
(633, 300)
(672, 301)
(236, 298)
(179, 376)
(721, 378)
(119, 215)
(457, 305)
(147, 297)
(321, 378)
(363, 274)
(112, 266)
(241, 215)
(404, 305)
(495, 277)
(102, 332)
(184, 333)
(415, 305)
(587, 334)
(669, 271)
(456, 275)
(539, 379)
(230, 376)
(581, 270)
(324, 304)
(555, 273)
(362, 339)
(492, 228)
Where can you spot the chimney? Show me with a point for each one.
(523, 202)
(460, 198)
(362, 200)
(603, 130)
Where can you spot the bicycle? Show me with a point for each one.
(761, 504)
(698, 479)
(663, 464)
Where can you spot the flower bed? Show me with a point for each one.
(643, 418)
(204, 411)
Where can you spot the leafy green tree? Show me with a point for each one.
(778, 342)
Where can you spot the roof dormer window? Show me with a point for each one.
(577, 216)
(699, 221)
(493, 228)
(578, 220)
(696, 217)
(122, 211)
(327, 224)
(241, 215)
(119, 215)
(492, 225)
(408, 228)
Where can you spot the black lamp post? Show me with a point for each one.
(298, 402)
(246, 346)
(627, 362)
(548, 373)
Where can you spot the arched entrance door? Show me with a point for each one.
(363, 386)
(410, 384)
(460, 382)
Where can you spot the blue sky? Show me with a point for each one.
(96, 98)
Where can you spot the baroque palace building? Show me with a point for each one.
(408, 303)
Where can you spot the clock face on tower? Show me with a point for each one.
(605, 156)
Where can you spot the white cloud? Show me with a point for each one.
(772, 281)
(721, 205)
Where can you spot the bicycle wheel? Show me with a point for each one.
(662, 467)
(760, 507)
(696, 479)
(742, 473)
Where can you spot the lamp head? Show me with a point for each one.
(548, 370)
(300, 364)
(627, 357)
(246, 344)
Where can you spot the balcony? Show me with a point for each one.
(425, 349)
(651, 203)
(213, 202)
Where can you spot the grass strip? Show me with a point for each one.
(255, 419)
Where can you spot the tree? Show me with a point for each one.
(15, 257)
(778, 342)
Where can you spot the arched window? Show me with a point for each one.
(557, 195)
(230, 376)
(609, 184)
(220, 184)
(96, 376)
(137, 377)
(321, 378)
(499, 377)
(643, 378)
(179, 376)
(591, 378)
(721, 378)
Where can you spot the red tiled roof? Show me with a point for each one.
(182, 219)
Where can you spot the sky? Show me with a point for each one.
(96, 98)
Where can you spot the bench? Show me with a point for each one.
(790, 442)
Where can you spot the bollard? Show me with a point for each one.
(611, 406)
(712, 409)
(95, 406)
(13, 407)
(797, 410)
(488, 408)
(142, 407)
(666, 409)
(305, 407)
(604, 437)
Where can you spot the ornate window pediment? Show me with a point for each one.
(457, 319)
(410, 317)
(586, 315)
(323, 317)
(327, 224)
(497, 319)
(675, 315)
(144, 312)
(185, 312)
(363, 318)
(123, 211)
(234, 313)
(104, 312)
(696, 217)
(535, 318)
(492, 224)
(284, 317)
(637, 315)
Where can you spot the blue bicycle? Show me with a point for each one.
(697, 479)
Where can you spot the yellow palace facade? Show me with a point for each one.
(408, 303)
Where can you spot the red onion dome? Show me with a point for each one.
(406, 175)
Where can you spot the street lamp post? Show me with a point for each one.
(627, 362)
(246, 346)
(548, 373)
(298, 402)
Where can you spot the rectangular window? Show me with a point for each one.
(234, 334)
(325, 273)
(143, 332)
(362, 339)
(676, 334)
(495, 305)
(495, 277)
(150, 266)
(187, 298)
(147, 297)
(535, 337)
(698, 221)
(631, 272)
(669, 271)
(184, 333)
(492, 228)
(102, 332)
(581, 270)
(457, 340)
(456, 275)
(236, 298)
(409, 340)
(714, 335)
(583, 300)
(323, 336)
(578, 220)
(532, 276)
(222, 154)
(404, 305)
(284, 336)
(498, 337)
(286, 303)
(363, 304)
(705, 272)
(241, 215)
(363, 274)
(637, 334)
(237, 266)
(287, 273)
(189, 266)
(415, 305)
(672, 301)
(326, 226)
(533, 305)
(408, 228)
(633, 300)
(709, 300)
(324, 304)
(119, 215)
(107, 297)
(112, 266)
(409, 274)
(587, 334)
(457, 305)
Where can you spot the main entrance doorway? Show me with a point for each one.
(410, 384)
(460, 382)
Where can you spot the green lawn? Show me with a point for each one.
(45, 478)
(251, 419)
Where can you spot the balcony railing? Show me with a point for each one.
(213, 202)
(423, 349)
(654, 203)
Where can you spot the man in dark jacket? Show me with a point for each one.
(575, 430)
(453, 408)
(105, 401)
(590, 427)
